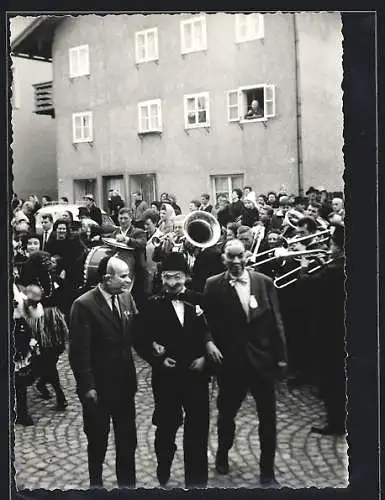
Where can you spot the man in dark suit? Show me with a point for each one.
(171, 335)
(133, 237)
(94, 212)
(100, 356)
(244, 319)
(47, 225)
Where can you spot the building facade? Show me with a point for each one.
(164, 103)
(33, 166)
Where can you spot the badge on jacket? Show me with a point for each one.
(253, 302)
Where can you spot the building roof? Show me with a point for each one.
(35, 42)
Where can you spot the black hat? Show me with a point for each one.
(338, 236)
(311, 190)
(175, 262)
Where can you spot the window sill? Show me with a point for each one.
(84, 141)
(254, 120)
(138, 63)
(74, 77)
(193, 127)
(149, 132)
(184, 53)
(238, 42)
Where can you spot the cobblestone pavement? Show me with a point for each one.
(52, 453)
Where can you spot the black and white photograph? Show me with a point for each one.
(178, 234)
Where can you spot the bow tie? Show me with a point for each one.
(178, 296)
(241, 280)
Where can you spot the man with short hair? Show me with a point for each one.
(176, 352)
(47, 225)
(101, 323)
(133, 237)
(206, 205)
(193, 206)
(138, 208)
(249, 347)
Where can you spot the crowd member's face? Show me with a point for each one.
(163, 215)
(118, 280)
(88, 231)
(149, 226)
(312, 196)
(44, 201)
(261, 200)
(272, 239)
(247, 239)
(271, 198)
(312, 212)
(222, 202)
(234, 258)
(192, 207)
(33, 245)
(254, 105)
(46, 224)
(337, 205)
(204, 201)
(61, 232)
(88, 202)
(66, 216)
(33, 293)
(124, 220)
(163, 197)
(323, 196)
(49, 262)
(246, 191)
(234, 196)
(303, 231)
(335, 249)
(173, 282)
(248, 204)
(230, 235)
(155, 208)
(178, 229)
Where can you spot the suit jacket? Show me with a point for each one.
(158, 321)
(208, 263)
(100, 347)
(96, 214)
(258, 343)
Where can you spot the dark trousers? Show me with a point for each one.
(21, 397)
(49, 374)
(333, 392)
(96, 419)
(232, 392)
(172, 395)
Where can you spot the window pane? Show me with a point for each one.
(144, 123)
(221, 185)
(236, 182)
(202, 117)
(83, 60)
(233, 112)
(233, 98)
(201, 103)
(151, 45)
(191, 104)
(191, 118)
(188, 36)
(74, 60)
(144, 111)
(198, 34)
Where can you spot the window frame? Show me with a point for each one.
(258, 35)
(83, 139)
(267, 88)
(75, 52)
(188, 125)
(229, 184)
(145, 33)
(192, 21)
(148, 105)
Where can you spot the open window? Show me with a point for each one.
(82, 129)
(79, 61)
(249, 27)
(150, 116)
(251, 103)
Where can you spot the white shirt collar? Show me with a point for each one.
(244, 276)
(105, 294)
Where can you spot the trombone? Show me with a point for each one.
(158, 240)
(280, 282)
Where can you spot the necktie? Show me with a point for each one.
(45, 239)
(115, 309)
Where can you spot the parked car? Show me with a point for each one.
(57, 210)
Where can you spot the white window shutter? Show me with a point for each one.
(242, 104)
(84, 60)
(73, 66)
(232, 105)
(269, 98)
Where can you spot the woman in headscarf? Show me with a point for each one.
(250, 215)
(166, 221)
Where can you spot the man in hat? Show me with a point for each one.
(101, 323)
(94, 212)
(245, 322)
(171, 335)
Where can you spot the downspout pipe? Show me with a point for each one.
(298, 109)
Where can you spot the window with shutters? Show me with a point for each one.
(82, 127)
(146, 45)
(150, 116)
(79, 61)
(248, 27)
(196, 110)
(223, 185)
(251, 103)
(193, 34)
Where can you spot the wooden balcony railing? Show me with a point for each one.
(44, 99)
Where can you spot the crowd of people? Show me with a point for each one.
(237, 326)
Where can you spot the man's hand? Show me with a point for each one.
(198, 364)
(213, 352)
(91, 395)
(159, 349)
(169, 363)
(120, 238)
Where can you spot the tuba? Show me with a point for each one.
(201, 229)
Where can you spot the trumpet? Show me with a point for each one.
(280, 281)
(158, 240)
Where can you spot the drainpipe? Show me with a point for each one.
(298, 110)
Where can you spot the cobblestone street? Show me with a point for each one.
(52, 453)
